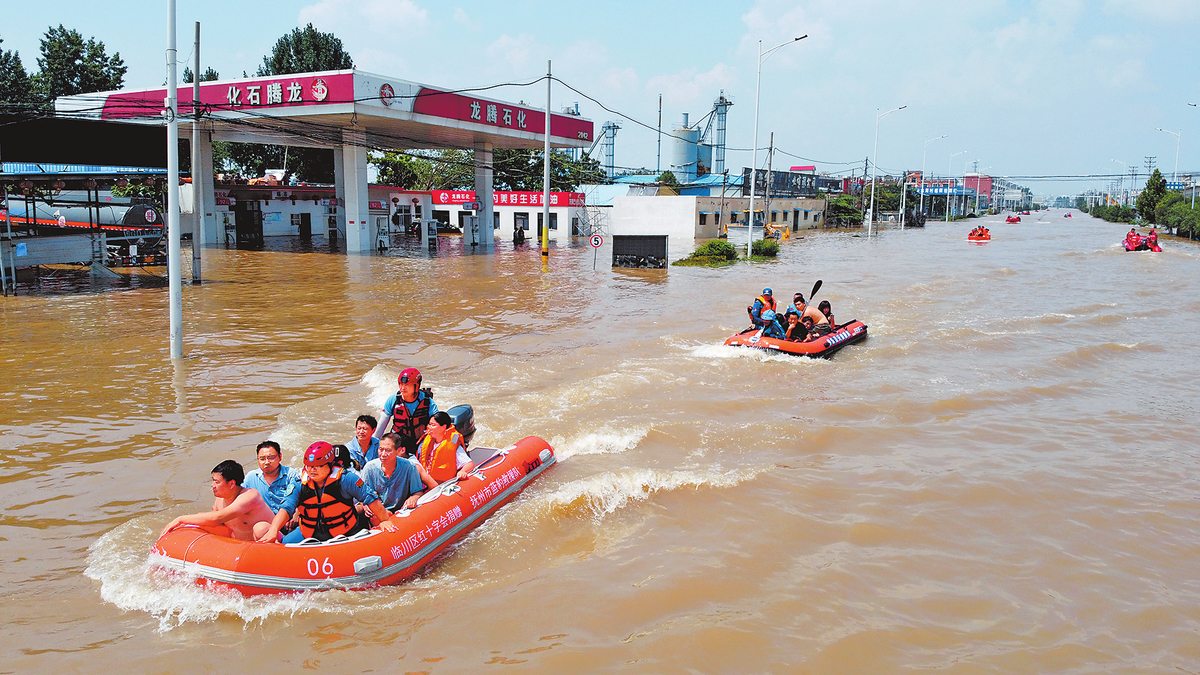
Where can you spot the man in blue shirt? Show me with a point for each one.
(394, 479)
(274, 482)
(364, 447)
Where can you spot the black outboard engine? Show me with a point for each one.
(463, 418)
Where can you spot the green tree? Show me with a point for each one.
(1155, 190)
(668, 179)
(68, 65)
(522, 169)
(305, 50)
(209, 75)
(396, 169)
(426, 169)
(844, 211)
(15, 86)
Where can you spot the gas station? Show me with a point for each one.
(350, 112)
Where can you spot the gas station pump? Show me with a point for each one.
(473, 222)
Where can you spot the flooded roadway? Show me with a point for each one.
(1002, 478)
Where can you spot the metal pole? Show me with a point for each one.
(546, 183)
(754, 154)
(903, 194)
(767, 190)
(754, 145)
(658, 162)
(949, 180)
(923, 154)
(3, 277)
(197, 198)
(174, 283)
(875, 156)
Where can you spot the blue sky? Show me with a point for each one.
(1026, 88)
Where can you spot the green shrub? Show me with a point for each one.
(717, 248)
(768, 248)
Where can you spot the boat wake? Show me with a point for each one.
(608, 492)
(132, 581)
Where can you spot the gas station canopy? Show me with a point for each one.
(311, 109)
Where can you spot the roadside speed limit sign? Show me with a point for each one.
(597, 241)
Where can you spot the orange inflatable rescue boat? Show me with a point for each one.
(443, 516)
(846, 334)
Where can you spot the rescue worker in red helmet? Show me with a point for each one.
(409, 410)
(325, 501)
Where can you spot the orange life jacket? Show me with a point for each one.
(768, 302)
(325, 510)
(439, 459)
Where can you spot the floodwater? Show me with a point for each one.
(1002, 478)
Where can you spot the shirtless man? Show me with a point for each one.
(237, 511)
(820, 321)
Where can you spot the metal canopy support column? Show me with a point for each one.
(352, 192)
(204, 199)
(483, 194)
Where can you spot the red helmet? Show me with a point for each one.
(408, 375)
(319, 454)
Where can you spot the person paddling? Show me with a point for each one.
(820, 321)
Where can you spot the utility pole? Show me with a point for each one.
(767, 199)
(171, 110)
(866, 167)
(658, 162)
(197, 198)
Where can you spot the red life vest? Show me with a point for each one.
(325, 510)
(411, 427)
(440, 460)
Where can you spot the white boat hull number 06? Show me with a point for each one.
(314, 567)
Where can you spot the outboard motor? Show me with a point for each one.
(463, 417)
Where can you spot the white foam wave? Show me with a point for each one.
(381, 380)
(711, 351)
(608, 492)
(131, 579)
(603, 443)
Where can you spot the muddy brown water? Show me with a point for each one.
(1002, 478)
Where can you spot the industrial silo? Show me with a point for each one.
(684, 140)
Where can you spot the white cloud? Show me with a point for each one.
(517, 51)
(465, 22)
(690, 87)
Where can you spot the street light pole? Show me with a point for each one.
(871, 212)
(1121, 187)
(977, 179)
(754, 148)
(1176, 134)
(949, 166)
(1193, 182)
(923, 154)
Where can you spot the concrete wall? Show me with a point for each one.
(680, 216)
